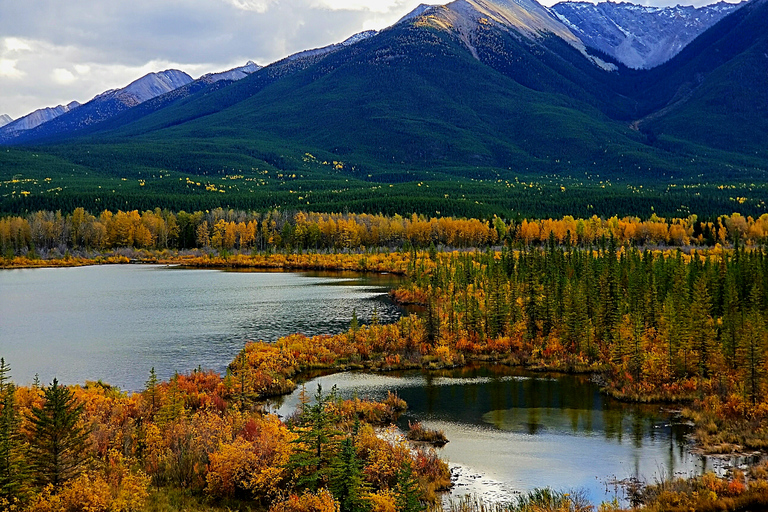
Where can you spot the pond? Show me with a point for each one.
(113, 323)
(511, 431)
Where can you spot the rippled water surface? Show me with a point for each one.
(114, 323)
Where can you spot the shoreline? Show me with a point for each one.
(361, 263)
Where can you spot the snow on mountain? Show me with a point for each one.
(232, 74)
(316, 52)
(360, 36)
(5, 119)
(527, 18)
(37, 118)
(150, 86)
(418, 11)
(636, 35)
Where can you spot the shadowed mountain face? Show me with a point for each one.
(66, 120)
(477, 84)
(34, 119)
(639, 36)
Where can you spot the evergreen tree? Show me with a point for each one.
(58, 446)
(13, 470)
(315, 444)
(751, 351)
(346, 480)
(702, 326)
(151, 390)
(408, 491)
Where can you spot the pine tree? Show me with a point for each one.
(315, 444)
(58, 445)
(346, 480)
(751, 351)
(13, 470)
(407, 490)
(702, 326)
(151, 390)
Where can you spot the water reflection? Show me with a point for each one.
(116, 322)
(511, 431)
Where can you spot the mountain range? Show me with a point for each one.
(639, 36)
(485, 90)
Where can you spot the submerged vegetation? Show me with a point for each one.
(685, 325)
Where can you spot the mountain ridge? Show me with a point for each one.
(459, 93)
(639, 36)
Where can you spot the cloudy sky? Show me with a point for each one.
(56, 51)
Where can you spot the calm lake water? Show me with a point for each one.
(510, 431)
(114, 323)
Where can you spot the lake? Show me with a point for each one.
(115, 322)
(511, 431)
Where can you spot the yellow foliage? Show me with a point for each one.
(322, 501)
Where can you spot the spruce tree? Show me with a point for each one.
(58, 446)
(346, 480)
(151, 391)
(316, 442)
(408, 492)
(13, 470)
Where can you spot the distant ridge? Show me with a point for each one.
(35, 119)
(68, 119)
(639, 36)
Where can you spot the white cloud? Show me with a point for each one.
(259, 6)
(63, 76)
(8, 69)
(13, 44)
(378, 6)
(82, 69)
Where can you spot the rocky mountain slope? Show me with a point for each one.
(480, 89)
(68, 119)
(35, 119)
(5, 119)
(639, 36)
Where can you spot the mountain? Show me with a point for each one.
(66, 120)
(34, 119)
(717, 87)
(232, 74)
(472, 83)
(639, 36)
(455, 105)
(418, 11)
(5, 119)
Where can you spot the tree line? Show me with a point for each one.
(45, 232)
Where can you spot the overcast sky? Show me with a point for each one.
(56, 51)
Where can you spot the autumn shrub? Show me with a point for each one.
(417, 432)
(383, 500)
(253, 464)
(432, 472)
(321, 501)
(87, 493)
(383, 457)
(370, 411)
